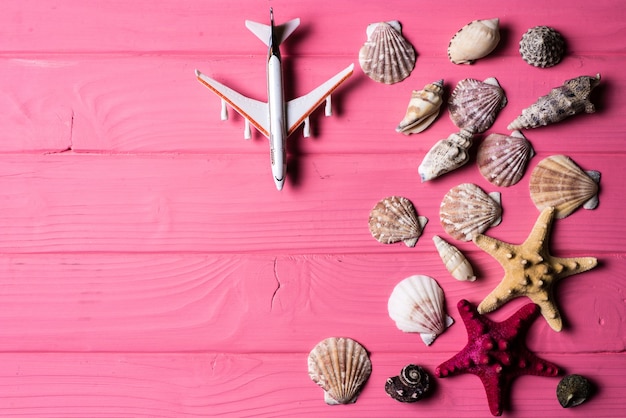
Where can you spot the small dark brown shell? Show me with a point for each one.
(411, 385)
(573, 390)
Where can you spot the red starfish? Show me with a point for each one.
(496, 352)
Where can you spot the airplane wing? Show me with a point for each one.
(253, 110)
(298, 110)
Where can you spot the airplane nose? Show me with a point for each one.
(279, 182)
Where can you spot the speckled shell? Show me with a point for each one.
(446, 155)
(411, 385)
(423, 109)
(386, 56)
(454, 260)
(474, 104)
(502, 159)
(466, 210)
(473, 41)
(395, 219)
(417, 304)
(340, 366)
(573, 390)
(562, 102)
(558, 182)
(542, 47)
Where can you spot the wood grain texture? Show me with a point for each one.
(148, 267)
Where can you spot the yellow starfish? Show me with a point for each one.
(530, 270)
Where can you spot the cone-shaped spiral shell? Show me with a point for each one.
(386, 56)
(395, 219)
(473, 41)
(502, 159)
(542, 47)
(454, 260)
(446, 155)
(474, 104)
(340, 366)
(411, 385)
(423, 109)
(562, 102)
(558, 182)
(417, 304)
(466, 210)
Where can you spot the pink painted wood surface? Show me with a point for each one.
(149, 268)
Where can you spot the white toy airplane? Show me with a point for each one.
(275, 119)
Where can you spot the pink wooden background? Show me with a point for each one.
(148, 266)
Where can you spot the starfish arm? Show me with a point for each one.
(536, 240)
(498, 297)
(550, 313)
(497, 249)
(493, 382)
(565, 267)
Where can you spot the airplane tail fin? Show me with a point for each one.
(281, 32)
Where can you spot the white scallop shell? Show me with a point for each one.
(394, 219)
(466, 210)
(417, 304)
(474, 104)
(502, 159)
(386, 56)
(454, 260)
(473, 41)
(446, 155)
(423, 108)
(340, 366)
(558, 182)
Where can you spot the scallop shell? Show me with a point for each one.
(573, 390)
(466, 210)
(411, 385)
(542, 47)
(502, 159)
(558, 182)
(423, 108)
(474, 104)
(562, 102)
(386, 56)
(446, 155)
(454, 260)
(394, 219)
(417, 305)
(473, 41)
(340, 366)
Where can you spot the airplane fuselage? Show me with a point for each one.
(278, 125)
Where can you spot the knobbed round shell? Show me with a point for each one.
(454, 260)
(558, 182)
(474, 104)
(446, 155)
(411, 385)
(542, 47)
(502, 159)
(386, 56)
(466, 210)
(417, 305)
(394, 219)
(423, 109)
(340, 366)
(473, 41)
(573, 390)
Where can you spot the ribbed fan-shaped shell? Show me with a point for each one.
(386, 56)
(558, 182)
(542, 46)
(474, 41)
(502, 159)
(454, 260)
(446, 155)
(395, 219)
(423, 108)
(340, 366)
(417, 304)
(474, 104)
(466, 210)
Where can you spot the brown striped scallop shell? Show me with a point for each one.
(474, 104)
(395, 219)
(502, 159)
(386, 56)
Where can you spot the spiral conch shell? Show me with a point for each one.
(466, 210)
(411, 385)
(340, 366)
(417, 304)
(395, 219)
(542, 47)
(502, 159)
(386, 56)
(423, 108)
(473, 41)
(558, 182)
(454, 260)
(446, 155)
(474, 104)
(562, 102)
